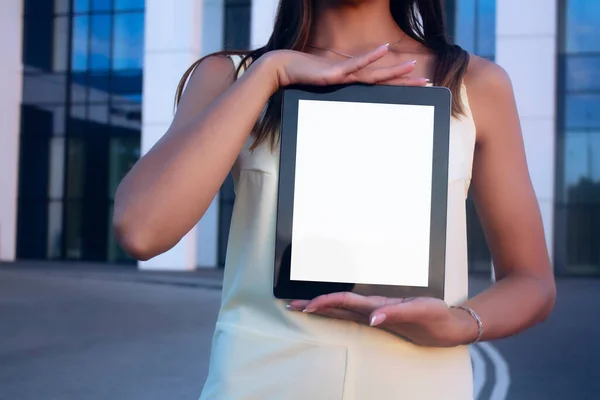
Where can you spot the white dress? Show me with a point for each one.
(263, 351)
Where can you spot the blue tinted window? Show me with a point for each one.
(582, 111)
(475, 26)
(582, 161)
(237, 24)
(121, 5)
(71, 90)
(127, 86)
(79, 54)
(39, 6)
(583, 72)
(128, 50)
(582, 25)
(465, 24)
(102, 5)
(100, 42)
(486, 28)
(578, 142)
(81, 5)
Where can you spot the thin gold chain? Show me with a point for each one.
(339, 53)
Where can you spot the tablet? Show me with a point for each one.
(362, 191)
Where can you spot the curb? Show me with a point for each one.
(205, 279)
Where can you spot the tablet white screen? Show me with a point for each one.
(362, 195)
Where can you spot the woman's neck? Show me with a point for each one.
(353, 26)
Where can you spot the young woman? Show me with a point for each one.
(343, 346)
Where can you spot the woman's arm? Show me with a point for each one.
(171, 187)
(524, 293)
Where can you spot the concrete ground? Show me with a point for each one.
(84, 333)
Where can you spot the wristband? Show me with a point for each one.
(477, 319)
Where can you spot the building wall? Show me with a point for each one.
(526, 48)
(263, 16)
(553, 66)
(177, 34)
(11, 67)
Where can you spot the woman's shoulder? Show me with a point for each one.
(490, 91)
(212, 75)
(484, 75)
(215, 66)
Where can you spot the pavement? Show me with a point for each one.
(72, 331)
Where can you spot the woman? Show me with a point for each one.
(343, 346)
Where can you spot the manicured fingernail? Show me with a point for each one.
(309, 310)
(377, 319)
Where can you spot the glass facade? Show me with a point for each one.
(236, 35)
(472, 24)
(577, 211)
(80, 124)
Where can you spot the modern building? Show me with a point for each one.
(88, 86)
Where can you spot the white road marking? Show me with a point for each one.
(502, 373)
(479, 371)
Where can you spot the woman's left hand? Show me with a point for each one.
(422, 320)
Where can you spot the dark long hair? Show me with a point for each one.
(422, 20)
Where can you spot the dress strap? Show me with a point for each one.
(237, 60)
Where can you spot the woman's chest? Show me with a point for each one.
(267, 160)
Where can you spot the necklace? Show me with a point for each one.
(339, 53)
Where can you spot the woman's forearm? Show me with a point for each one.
(171, 187)
(509, 306)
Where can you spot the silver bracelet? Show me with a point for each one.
(477, 319)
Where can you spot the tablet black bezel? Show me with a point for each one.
(441, 99)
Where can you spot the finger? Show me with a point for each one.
(357, 63)
(399, 71)
(339, 313)
(406, 81)
(348, 300)
(343, 300)
(297, 305)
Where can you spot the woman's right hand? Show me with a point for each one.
(295, 67)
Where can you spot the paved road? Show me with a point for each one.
(88, 336)
(559, 359)
(87, 339)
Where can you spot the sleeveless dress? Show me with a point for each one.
(263, 351)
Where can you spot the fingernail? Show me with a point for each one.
(377, 319)
(386, 45)
(427, 80)
(414, 61)
(309, 310)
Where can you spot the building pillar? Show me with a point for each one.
(175, 34)
(11, 82)
(263, 17)
(207, 235)
(526, 47)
